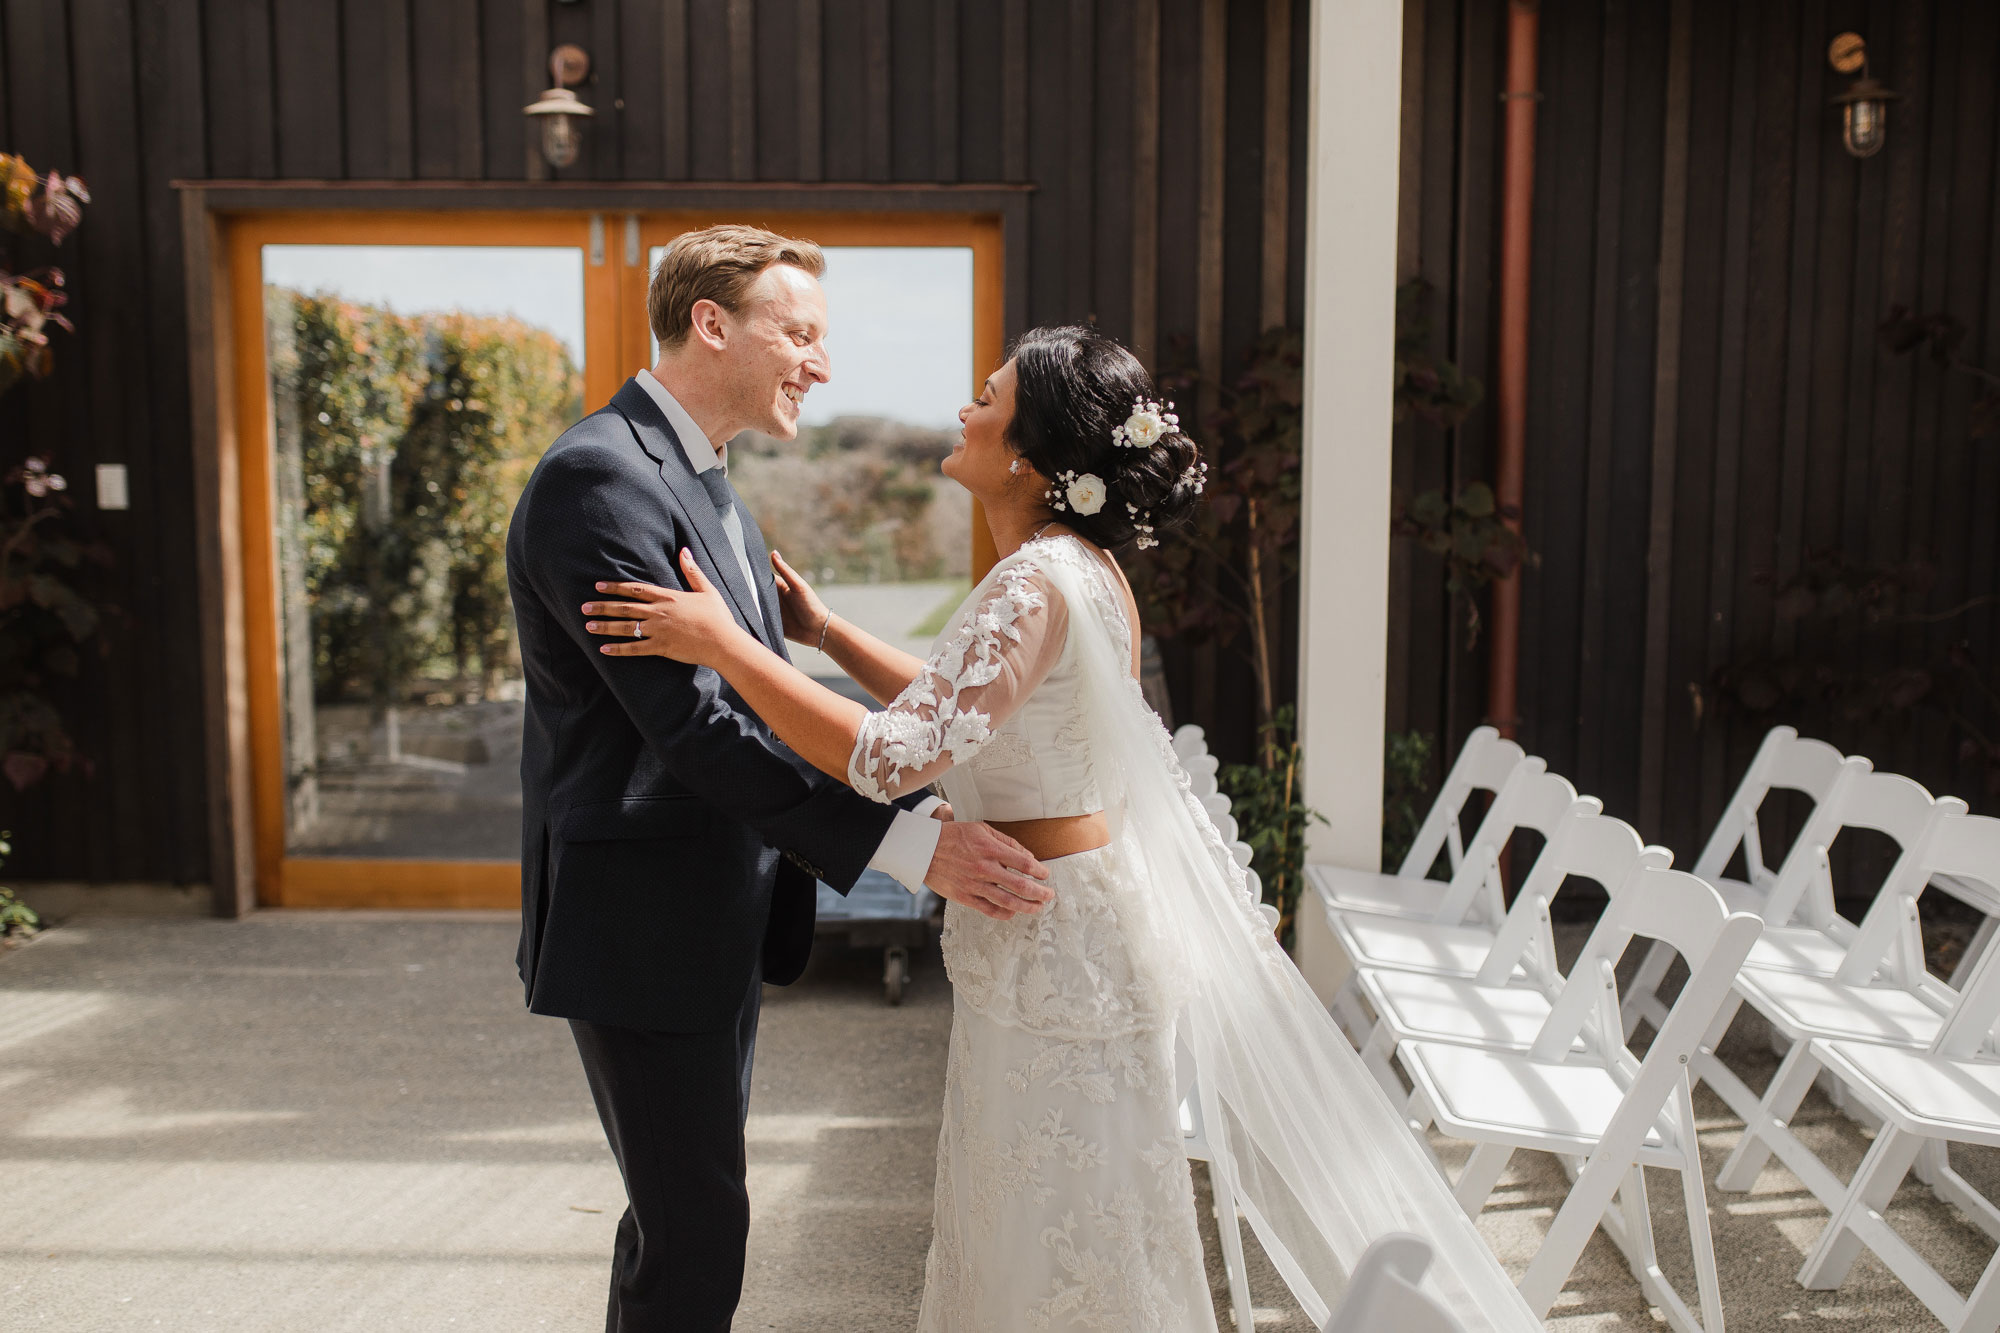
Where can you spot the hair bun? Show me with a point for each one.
(1074, 396)
(1159, 488)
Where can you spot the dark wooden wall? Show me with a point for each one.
(1709, 399)
(1142, 124)
(1708, 403)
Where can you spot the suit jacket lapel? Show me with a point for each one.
(767, 586)
(650, 427)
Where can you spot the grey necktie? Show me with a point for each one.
(715, 481)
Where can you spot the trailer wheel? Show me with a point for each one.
(895, 971)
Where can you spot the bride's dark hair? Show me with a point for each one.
(1072, 387)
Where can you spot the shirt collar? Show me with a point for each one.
(700, 453)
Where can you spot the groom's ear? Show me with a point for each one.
(710, 323)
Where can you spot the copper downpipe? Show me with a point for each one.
(1511, 390)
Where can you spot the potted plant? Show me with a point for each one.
(45, 619)
(18, 921)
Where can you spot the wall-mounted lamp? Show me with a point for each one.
(1864, 120)
(562, 135)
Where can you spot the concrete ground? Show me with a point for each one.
(347, 1121)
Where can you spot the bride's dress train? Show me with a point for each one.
(1063, 1195)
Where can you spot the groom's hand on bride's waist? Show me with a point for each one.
(979, 867)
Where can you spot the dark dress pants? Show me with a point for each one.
(673, 1106)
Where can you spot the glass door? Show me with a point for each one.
(408, 372)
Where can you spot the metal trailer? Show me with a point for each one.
(880, 914)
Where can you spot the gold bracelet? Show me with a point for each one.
(820, 647)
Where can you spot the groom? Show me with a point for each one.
(670, 842)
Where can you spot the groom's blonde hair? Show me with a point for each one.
(717, 264)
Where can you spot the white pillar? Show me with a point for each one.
(1353, 148)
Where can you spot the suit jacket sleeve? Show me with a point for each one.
(579, 532)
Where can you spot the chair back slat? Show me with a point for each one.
(1887, 803)
(1783, 760)
(1882, 802)
(1804, 765)
(1967, 846)
(1672, 906)
(1588, 844)
(1484, 763)
(1951, 843)
(1532, 798)
(1741, 809)
(1969, 1026)
(1802, 885)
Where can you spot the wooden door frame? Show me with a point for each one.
(223, 221)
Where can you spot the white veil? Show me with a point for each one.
(1323, 1162)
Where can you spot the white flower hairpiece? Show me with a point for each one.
(1196, 476)
(1085, 493)
(1143, 524)
(1148, 422)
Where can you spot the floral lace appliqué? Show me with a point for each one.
(935, 716)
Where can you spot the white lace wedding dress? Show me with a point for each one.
(1063, 1196)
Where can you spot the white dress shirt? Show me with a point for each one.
(912, 839)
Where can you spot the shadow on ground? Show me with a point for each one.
(347, 1122)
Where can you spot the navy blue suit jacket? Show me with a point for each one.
(669, 840)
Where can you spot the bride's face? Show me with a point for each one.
(980, 460)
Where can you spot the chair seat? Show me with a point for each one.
(1958, 1099)
(1423, 1006)
(1505, 1097)
(1389, 895)
(1373, 940)
(1803, 1006)
(1797, 949)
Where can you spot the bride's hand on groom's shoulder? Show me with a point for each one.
(692, 626)
(804, 614)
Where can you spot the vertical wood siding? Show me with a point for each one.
(1709, 402)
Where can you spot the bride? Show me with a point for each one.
(1063, 1197)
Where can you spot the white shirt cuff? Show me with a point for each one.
(906, 850)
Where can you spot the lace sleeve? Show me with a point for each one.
(975, 681)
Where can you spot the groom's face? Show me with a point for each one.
(777, 349)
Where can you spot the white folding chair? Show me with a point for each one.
(1879, 991)
(1619, 1113)
(1383, 1296)
(1505, 1006)
(1199, 1110)
(1783, 761)
(1819, 940)
(1454, 942)
(1881, 997)
(1947, 1093)
(1483, 764)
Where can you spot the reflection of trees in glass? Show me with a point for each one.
(411, 436)
(858, 500)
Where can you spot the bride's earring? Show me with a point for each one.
(1014, 468)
